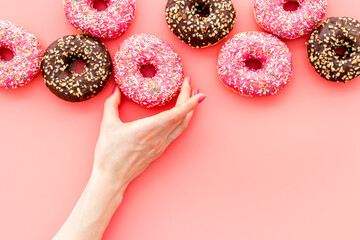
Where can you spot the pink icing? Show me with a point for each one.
(110, 23)
(272, 17)
(27, 55)
(146, 49)
(276, 70)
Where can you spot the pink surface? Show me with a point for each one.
(284, 167)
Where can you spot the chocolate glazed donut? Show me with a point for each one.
(71, 86)
(200, 23)
(334, 49)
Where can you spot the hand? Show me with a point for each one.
(124, 150)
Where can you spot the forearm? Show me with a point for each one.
(92, 213)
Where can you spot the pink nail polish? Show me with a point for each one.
(202, 99)
(196, 91)
(189, 80)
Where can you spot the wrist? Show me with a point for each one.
(107, 184)
(92, 213)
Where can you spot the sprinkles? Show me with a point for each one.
(110, 23)
(27, 55)
(335, 33)
(71, 86)
(276, 70)
(200, 23)
(146, 49)
(272, 17)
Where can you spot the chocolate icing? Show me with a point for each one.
(332, 34)
(72, 86)
(200, 23)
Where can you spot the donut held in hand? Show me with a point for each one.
(141, 50)
(67, 84)
(275, 58)
(26, 49)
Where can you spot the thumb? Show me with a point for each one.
(111, 106)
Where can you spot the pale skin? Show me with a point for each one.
(124, 151)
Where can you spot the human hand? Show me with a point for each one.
(124, 150)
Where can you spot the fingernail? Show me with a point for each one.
(113, 89)
(202, 99)
(196, 91)
(189, 80)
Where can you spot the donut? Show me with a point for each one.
(110, 23)
(333, 34)
(145, 49)
(200, 23)
(273, 18)
(69, 85)
(25, 64)
(276, 64)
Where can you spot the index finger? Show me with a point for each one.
(172, 118)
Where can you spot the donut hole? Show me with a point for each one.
(253, 64)
(340, 51)
(6, 54)
(291, 6)
(77, 66)
(148, 70)
(100, 5)
(203, 9)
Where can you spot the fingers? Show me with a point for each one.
(179, 113)
(185, 92)
(183, 125)
(170, 119)
(181, 128)
(111, 106)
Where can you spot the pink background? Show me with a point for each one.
(285, 167)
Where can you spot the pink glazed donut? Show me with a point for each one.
(27, 55)
(276, 65)
(272, 17)
(110, 23)
(145, 49)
